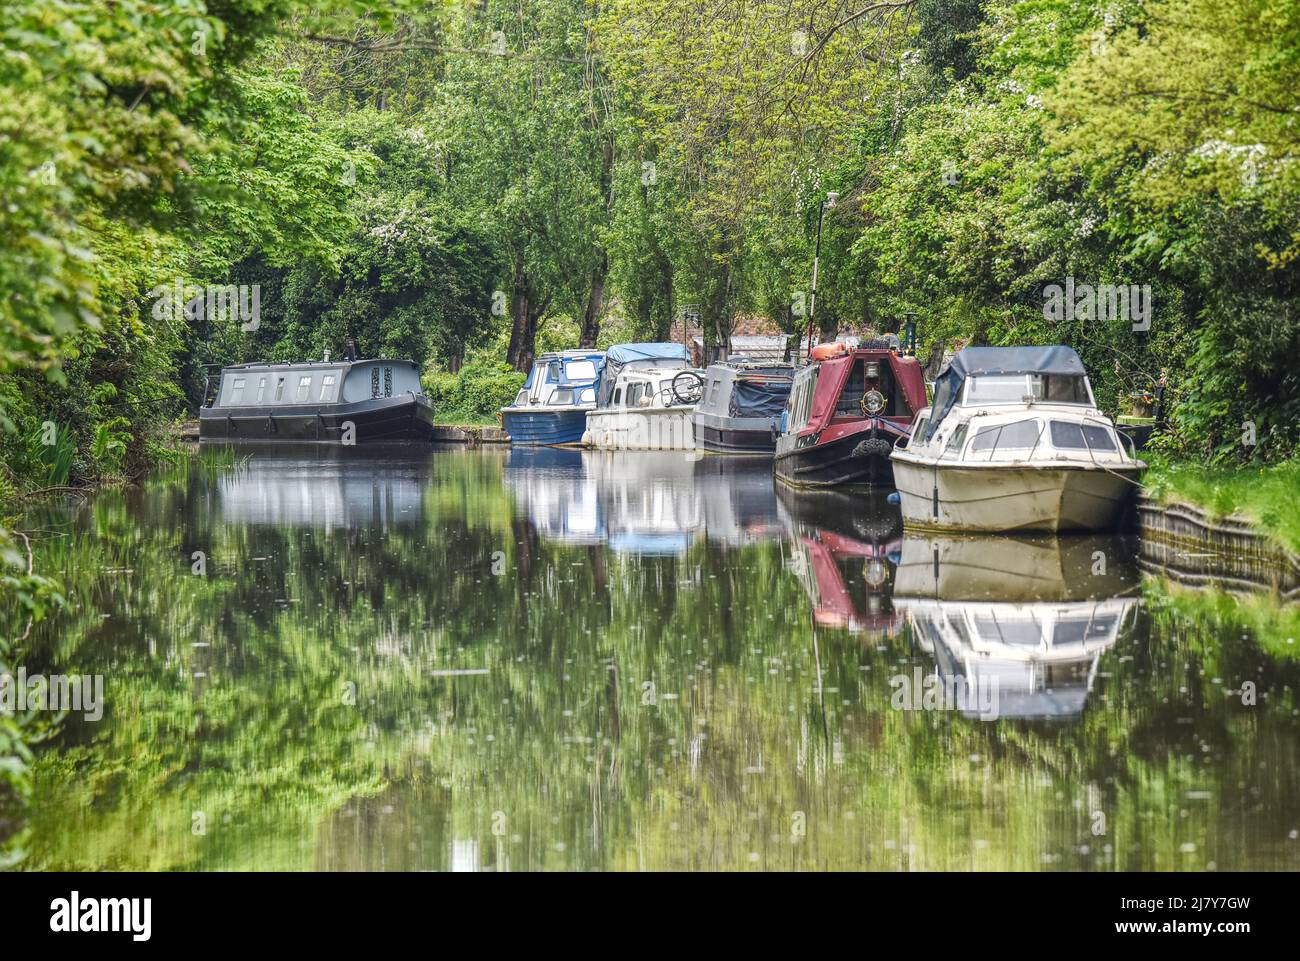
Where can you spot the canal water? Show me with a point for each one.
(522, 659)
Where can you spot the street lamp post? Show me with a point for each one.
(831, 197)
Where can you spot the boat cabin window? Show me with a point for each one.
(562, 397)
(1017, 388)
(1014, 632)
(919, 430)
(279, 389)
(328, 389)
(553, 372)
(851, 396)
(588, 396)
(618, 396)
(304, 387)
(261, 389)
(580, 370)
(1070, 436)
(800, 403)
(637, 393)
(1081, 630)
(521, 399)
(1019, 435)
(237, 390)
(957, 439)
(868, 375)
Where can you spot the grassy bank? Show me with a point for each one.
(1265, 495)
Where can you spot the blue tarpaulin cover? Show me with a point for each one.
(760, 398)
(982, 361)
(620, 355)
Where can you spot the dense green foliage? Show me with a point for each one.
(434, 179)
(475, 393)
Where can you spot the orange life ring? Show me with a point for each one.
(829, 351)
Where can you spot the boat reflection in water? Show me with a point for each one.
(844, 549)
(642, 502)
(1025, 619)
(326, 487)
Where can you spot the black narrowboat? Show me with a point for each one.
(339, 402)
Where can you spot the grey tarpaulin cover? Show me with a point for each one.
(977, 361)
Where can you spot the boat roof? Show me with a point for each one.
(741, 364)
(626, 353)
(620, 355)
(983, 361)
(304, 364)
(569, 355)
(653, 372)
(834, 373)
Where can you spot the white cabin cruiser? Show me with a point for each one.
(645, 400)
(1013, 441)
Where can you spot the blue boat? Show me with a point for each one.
(552, 406)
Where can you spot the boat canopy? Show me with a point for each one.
(646, 355)
(833, 374)
(989, 361)
(761, 395)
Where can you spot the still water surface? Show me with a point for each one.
(526, 659)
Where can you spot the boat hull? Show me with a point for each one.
(735, 435)
(544, 428)
(839, 460)
(375, 419)
(649, 429)
(1002, 498)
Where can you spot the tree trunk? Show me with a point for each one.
(523, 327)
(596, 295)
(595, 303)
(717, 321)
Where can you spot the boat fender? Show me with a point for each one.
(894, 498)
(829, 351)
(873, 447)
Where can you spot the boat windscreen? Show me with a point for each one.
(583, 371)
(1059, 369)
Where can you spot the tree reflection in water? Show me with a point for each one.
(559, 659)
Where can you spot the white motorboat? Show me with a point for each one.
(646, 400)
(1013, 441)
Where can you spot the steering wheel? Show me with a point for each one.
(687, 387)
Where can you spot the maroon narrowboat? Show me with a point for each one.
(847, 409)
